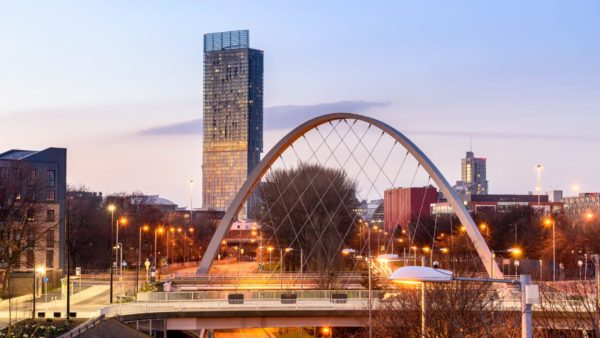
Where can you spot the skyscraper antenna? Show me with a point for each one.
(471, 142)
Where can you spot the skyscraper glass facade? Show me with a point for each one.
(474, 174)
(233, 115)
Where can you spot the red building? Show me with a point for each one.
(403, 206)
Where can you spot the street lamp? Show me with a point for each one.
(549, 221)
(281, 253)
(139, 262)
(270, 249)
(123, 221)
(514, 251)
(421, 275)
(158, 230)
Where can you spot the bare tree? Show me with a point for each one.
(28, 219)
(311, 208)
(458, 309)
(568, 309)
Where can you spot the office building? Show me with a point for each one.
(404, 206)
(233, 115)
(581, 205)
(37, 180)
(500, 203)
(473, 176)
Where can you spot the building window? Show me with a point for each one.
(50, 258)
(32, 176)
(30, 258)
(51, 178)
(2, 175)
(30, 215)
(51, 195)
(50, 215)
(50, 238)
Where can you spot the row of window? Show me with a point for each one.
(31, 177)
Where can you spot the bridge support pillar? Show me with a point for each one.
(526, 313)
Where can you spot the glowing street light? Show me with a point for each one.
(547, 222)
(421, 275)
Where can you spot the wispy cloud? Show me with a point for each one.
(275, 118)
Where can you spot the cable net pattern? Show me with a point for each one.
(319, 207)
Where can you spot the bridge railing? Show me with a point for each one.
(195, 296)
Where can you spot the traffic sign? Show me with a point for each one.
(78, 271)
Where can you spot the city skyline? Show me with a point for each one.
(104, 97)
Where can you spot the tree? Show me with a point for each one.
(27, 220)
(457, 309)
(311, 208)
(90, 229)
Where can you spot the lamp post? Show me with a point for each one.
(123, 221)
(42, 270)
(421, 275)
(370, 297)
(139, 262)
(551, 221)
(281, 253)
(158, 230)
(270, 249)
(515, 251)
(111, 208)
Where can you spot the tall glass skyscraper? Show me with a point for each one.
(474, 174)
(233, 115)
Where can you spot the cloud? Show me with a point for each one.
(275, 118)
(191, 127)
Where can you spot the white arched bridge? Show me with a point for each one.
(359, 128)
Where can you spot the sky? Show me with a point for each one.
(119, 83)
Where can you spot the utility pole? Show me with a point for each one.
(68, 230)
(370, 281)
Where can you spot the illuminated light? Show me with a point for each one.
(146, 227)
(483, 226)
(547, 221)
(123, 220)
(270, 248)
(426, 249)
(160, 230)
(288, 249)
(224, 241)
(414, 247)
(191, 230)
(589, 216)
(515, 251)
(407, 282)
(462, 228)
(111, 208)
(326, 330)
(172, 229)
(401, 240)
(41, 269)
(444, 250)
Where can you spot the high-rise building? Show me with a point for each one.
(473, 173)
(233, 115)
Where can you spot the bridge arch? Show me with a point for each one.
(244, 193)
